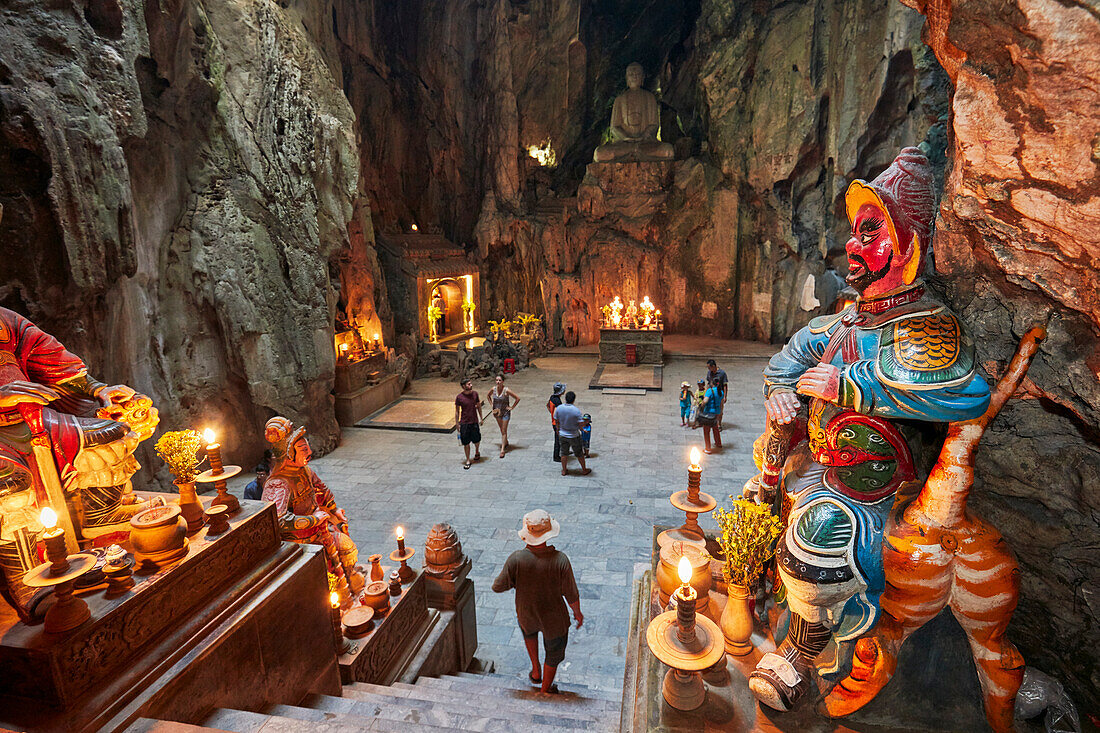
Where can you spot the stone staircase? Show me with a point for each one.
(466, 702)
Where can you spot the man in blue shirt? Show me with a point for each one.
(720, 380)
(570, 424)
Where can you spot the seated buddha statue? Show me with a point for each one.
(306, 507)
(635, 119)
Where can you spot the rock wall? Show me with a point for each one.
(1018, 243)
(179, 184)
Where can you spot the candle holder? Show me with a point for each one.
(687, 643)
(68, 611)
(218, 474)
(217, 519)
(405, 573)
(692, 502)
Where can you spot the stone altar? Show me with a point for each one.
(649, 343)
(239, 622)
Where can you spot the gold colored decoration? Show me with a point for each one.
(179, 449)
(747, 537)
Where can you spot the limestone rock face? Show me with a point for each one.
(1018, 239)
(184, 173)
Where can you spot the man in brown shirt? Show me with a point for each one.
(542, 577)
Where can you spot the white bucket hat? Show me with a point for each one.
(538, 527)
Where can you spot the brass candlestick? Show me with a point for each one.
(218, 474)
(687, 643)
(68, 611)
(404, 572)
(692, 502)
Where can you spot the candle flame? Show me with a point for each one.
(334, 599)
(695, 456)
(414, 227)
(684, 569)
(48, 517)
(209, 436)
(400, 531)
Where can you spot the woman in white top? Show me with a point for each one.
(503, 400)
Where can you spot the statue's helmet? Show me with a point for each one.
(282, 435)
(903, 194)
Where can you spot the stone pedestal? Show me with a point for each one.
(634, 190)
(457, 595)
(649, 345)
(353, 406)
(240, 622)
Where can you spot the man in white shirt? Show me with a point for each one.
(570, 423)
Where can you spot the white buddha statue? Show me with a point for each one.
(635, 119)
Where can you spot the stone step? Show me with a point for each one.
(305, 716)
(521, 683)
(525, 697)
(148, 725)
(475, 703)
(445, 715)
(236, 721)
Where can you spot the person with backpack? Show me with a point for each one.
(709, 410)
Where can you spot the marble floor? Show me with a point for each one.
(385, 478)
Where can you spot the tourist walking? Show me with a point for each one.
(685, 403)
(721, 381)
(503, 402)
(468, 420)
(552, 405)
(709, 412)
(544, 583)
(571, 423)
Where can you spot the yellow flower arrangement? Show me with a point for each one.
(179, 449)
(747, 538)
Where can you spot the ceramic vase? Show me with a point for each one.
(375, 567)
(736, 621)
(190, 506)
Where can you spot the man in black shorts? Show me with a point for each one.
(468, 420)
(542, 577)
(721, 381)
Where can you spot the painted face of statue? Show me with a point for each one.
(874, 268)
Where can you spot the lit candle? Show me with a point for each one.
(414, 227)
(377, 344)
(334, 601)
(685, 603)
(54, 539)
(213, 451)
(401, 540)
(695, 472)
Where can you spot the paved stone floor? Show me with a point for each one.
(384, 478)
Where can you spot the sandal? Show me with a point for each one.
(586, 471)
(477, 456)
(466, 465)
(553, 690)
(563, 472)
(534, 682)
(502, 454)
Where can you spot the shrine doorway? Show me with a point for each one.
(448, 295)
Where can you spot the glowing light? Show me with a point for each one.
(414, 228)
(400, 532)
(344, 348)
(334, 599)
(695, 456)
(544, 154)
(208, 436)
(48, 517)
(375, 337)
(684, 570)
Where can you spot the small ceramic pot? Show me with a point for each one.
(217, 519)
(668, 579)
(159, 534)
(376, 595)
(190, 506)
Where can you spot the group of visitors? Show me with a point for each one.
(705, 406)
(468, 417)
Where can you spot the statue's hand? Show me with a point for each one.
(18, 393)
(782, 406)
(821, 381)
(115, 394)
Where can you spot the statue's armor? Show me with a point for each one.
(901, 358)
